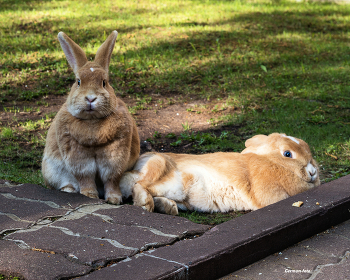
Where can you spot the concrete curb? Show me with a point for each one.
(241, 241)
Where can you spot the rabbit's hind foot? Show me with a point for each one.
(142, 198)
(165, 205)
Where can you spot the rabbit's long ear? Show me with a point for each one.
(75, 55)
(104, 53)
(257, 140)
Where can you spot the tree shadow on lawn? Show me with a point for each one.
(241, 51)
(21, 5)
(255, 26)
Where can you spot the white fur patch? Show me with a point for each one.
(57, 174)
(172, 188)
(312, 171)
(292, 138)
(92, 69)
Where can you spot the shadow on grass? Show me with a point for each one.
(255, 25)
(298, 66)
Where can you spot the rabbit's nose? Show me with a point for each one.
(90, 99)
(311, 169)
(312, 172)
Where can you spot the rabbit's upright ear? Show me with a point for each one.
(104, 53)
(75, 55)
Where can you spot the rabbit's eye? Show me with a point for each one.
(104, 83)
(287, 154)
(78, 81)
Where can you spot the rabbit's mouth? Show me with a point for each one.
(90, 108)
(313, 178)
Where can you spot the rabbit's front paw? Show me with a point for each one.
(89, 193)
(69, 188)
(114, 198)
(112, 194)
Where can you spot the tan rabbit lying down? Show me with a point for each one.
(270, 169)
(93, 139)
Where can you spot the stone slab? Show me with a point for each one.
(139, 238)
(35, 265)
(328, 244)
(93, 233)
(339, 270)
(81, 249)
(343, 230)
(24, 211)
(315, 258)
(140, 267)
(130, 215)
(9, 222)
(62, 199)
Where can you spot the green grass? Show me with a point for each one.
(209, 219)
(2, 277)
(284, 66)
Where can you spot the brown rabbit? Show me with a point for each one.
(270, 169)
(93, 139)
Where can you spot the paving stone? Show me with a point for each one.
(9, 222)
(131, 236)
(136, 216)
(62, 199)
(299, 258)
(340, 270)
(35, 265)
(342, 229)
(264, 272)
(328, 244)
(25, 211)
(294, 263)
(140, 267)
(82, 249)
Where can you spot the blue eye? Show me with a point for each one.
(78, 81)
(287, 154)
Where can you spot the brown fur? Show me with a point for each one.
(89, 141)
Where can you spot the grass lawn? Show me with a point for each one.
(264, 66)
